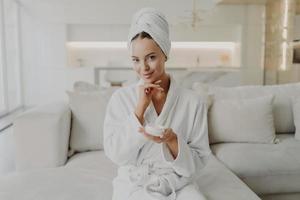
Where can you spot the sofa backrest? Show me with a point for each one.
(282, 109)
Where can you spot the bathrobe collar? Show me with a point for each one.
(171, 100)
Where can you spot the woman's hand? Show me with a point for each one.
(168, 137)
(146, 92)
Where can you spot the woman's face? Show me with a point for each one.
(148, 59)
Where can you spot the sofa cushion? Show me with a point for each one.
(215, 181)
(286, 196)
(282, 107)
(296, 112)
(242, 120)
(58, 183)
(80, 179)
(41, 136)
(88, 112)
(265, 168)
(93, 160)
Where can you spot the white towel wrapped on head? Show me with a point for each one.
(153, 22)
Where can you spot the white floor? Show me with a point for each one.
(7, 164)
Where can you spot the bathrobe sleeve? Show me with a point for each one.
(122, 141)
(194, 152)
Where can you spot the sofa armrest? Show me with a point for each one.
(41, 136)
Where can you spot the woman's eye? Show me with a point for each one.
(134, 60)
(152, 57)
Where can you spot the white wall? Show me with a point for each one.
(46, 77)
(47, 25)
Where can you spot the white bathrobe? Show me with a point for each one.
(147, 170)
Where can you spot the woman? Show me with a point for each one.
(155, 167)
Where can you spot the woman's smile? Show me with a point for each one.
(148, 75)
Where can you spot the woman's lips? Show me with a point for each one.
(148, 75)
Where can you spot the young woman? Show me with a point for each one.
(155, 167)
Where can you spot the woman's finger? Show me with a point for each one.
(158, 81)
(156, 139)
(148, 89)
(153, 138)
(150, 137)
(167, 135)
(150, 85)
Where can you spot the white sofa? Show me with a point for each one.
(54, 162)
(271, 170)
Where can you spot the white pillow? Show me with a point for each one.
(296, 113)
(41, 137)
(88, 112)
(242, 120)
(282, 105)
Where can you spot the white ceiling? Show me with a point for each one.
(115, 11)
(119, 11)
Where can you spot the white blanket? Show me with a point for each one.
(148, 166)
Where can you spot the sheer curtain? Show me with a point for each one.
(10, 76)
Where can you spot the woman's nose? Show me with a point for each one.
(145, 66)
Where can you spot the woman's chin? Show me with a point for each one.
(149, 80)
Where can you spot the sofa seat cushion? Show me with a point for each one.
(215, 182)
(55, 184)
(93, 160)
(289, 196)
(218, 182)
(89, 176)
(265, 168)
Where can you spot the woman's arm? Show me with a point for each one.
(173, 145)
(192, 154)
(122, 140)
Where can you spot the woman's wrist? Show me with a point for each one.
(173, 146)
(140, 115)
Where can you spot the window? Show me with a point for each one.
(10, 90)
